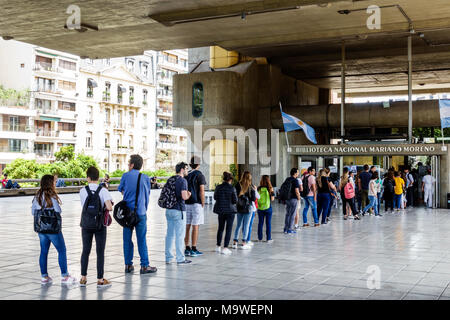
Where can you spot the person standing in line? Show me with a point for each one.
(46, 197)
(372, 195)
(265, 208)
(323, 195)
(398, 190)
(291, 196)
(428, 182)
(309, 180)
(379, 188)
(358, 191)
(347, 189)
(176, 217)
(225, 208)
(194, 206)
(246, 196)
(299, 204)
(333, 193)
(128, 187)
(409, 188)
(388, 191)
(404, 199)
(87, 234)
(364, 179)
(253, 213)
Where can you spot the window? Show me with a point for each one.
(44, 63)
(107, 145)
(17, 145)
(145, 70)
(120, 90)
(131, 95)
(130, 65)
(107, 116)
(131, 118)
(130, 142)
(68, 65)
(66, 126)
(144, 96)
(67, 85)
(107, 92)
(117, 164)
(44, 84)
(43, 105)
(90, 114)
(119, 118)
(197, 100)
(89, 139)
(68, 106)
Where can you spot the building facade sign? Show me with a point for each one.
(374, 149)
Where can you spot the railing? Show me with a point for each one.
(44, 154)
(18, 128)
(15, 150)
(46, 67)
(46, 110)
(106, 97)
(41, 133)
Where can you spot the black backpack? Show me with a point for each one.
(389, 185)
(92, 214)
(123, 215)
(243, 203)
(168, 198)
(305, 184)
(286, 190)
(47, 220)
(193, 187)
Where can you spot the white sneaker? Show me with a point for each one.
(269, 241)
(47, 280)
(226, 251)
(68, 280)
(218, 249)
(250, 243)
(245, 247)
(234, 246)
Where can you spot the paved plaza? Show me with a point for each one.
(329, 262)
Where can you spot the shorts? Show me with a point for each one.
(194, 214)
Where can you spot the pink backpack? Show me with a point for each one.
(349, 191)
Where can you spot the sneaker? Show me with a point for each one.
(250, 243)
(129, 269)
(226, 251)
(68, 280)
(285, 231)
(46, 280)
(104, 284)
(324, 222)
(218, 249)
(187, 253)
(184, 262)
(328, 219)
(148, 269)
(196, 253)
(245, 247)
(191, 254)
(291, 232)
(83, 283)
(234, 246)
(306, 225)
(345, 218)
(378, 215)
(297, 227)
(270, 241)
(316, 224)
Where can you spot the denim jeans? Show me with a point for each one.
(323, 203)
(58, 241)
(310, 202)
(243, 220)
(265, 215)
(176, 230)
(291, 211)
(372, 204)
(141, 236)
(397, 201)
(250, 226)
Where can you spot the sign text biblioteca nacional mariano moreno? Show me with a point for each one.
(392, 149)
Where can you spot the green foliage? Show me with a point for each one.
(65, 154)
(427, 132)
(11, 97)
(235, 172)
(22, 169)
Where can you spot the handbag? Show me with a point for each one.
(123, 215)
(47, 220)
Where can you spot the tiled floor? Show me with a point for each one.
(329, 262)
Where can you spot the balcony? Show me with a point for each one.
(177, 66)
(42, 66)
(165, 95)
(106, 96)
(122, 150)
(164, 112)
(51, 89)
(169, 130)
(47, 133)
(165, 81)
(44, 153)
(17, 128)
(51, 111)
(13, 150)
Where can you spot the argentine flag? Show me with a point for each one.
(292, 123)
(444, 109)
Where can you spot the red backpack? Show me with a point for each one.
(349, 191)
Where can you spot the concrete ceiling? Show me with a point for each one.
(303, 37)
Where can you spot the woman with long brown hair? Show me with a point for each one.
(47, 198)
(267, 195)
(246, 193)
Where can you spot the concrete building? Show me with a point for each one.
(119, 117)
(171, 145)
(48, 120)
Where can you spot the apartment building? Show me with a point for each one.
(118, 96)
(37, 129)
(171, 143)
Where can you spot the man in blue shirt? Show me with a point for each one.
(176, 217)
(128, 187)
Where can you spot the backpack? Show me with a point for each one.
(264, 200)
(389, 186)
(286, 190)
(47, 220)
(168, 198)
(305, 184)
(92, 214)
(244, 204)
(349, 191)
(123, 215)
(193, 187)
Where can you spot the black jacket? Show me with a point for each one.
(250, 193)
(226, 199)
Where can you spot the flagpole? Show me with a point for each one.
(285, 133)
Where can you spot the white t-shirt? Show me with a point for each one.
(428, 181)
(373, 186)
(104, 194)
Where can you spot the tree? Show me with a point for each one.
(65, 154)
